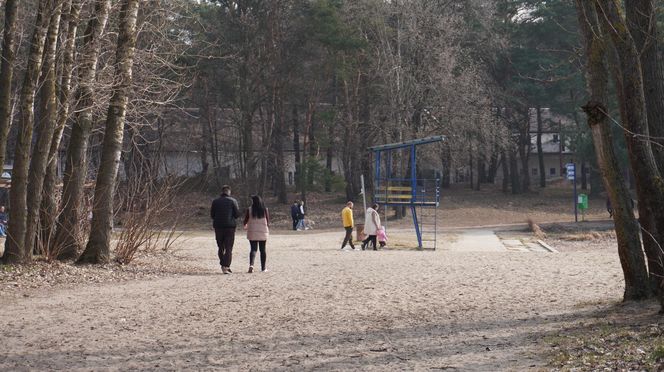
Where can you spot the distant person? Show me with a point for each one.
(371, 226)
(256, 222)
(224, 212)
(3, 222)
(300, 216)
(609, 207)
(295, 213)
(347, 220)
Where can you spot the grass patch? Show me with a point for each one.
(7, 268)
(588, 236)
(623, 342)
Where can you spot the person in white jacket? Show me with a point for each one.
(371, 226)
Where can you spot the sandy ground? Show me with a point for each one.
(317, 308)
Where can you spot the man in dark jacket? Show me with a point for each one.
(295, 213)
(224, 211)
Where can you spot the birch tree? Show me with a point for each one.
(15, 249)
(7, 73)
(45, 131)
(76, 158)
(97, 249)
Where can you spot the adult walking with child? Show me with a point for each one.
(371, 226)
(256, 222)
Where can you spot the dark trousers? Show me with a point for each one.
(348, 238)
(295, 221)
(225, 239)
(370, 239)
(255, 245)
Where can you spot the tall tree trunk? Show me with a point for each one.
(481, 170)
(627, 230)
(280, 164)
(45, 131)
(69, 28)
(596, 181)
(493, 167)
(98, 247)
(584, 174)
(540, 151)
(447, 165)
(68, 229)
(471, 169)
(15, 249)
(7, 73)
(514, 173)
(649, 183)
(642, 22)
(296, 147)
(524, 155)
(506, 172)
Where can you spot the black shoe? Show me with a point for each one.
(364, 245)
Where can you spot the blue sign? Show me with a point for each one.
(571, 171)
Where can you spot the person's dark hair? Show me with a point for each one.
(225, 189)
(257, 207)
(374, 206)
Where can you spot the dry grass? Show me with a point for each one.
(629, 338)
(535, 229)
(588, 236)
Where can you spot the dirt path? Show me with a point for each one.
(318, 308)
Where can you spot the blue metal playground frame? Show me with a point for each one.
(392, 191)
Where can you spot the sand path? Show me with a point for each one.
(318, 308)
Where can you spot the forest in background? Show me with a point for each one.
(86, 86)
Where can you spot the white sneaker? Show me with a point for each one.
(224, 270)
(264, 271)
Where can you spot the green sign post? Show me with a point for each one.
(582, 204)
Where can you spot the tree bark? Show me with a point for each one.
(296, 147)
(280, 165)
(15, 249)
(98, 247)
(69, 28)
(45, 131)
(506, 172)
(649, 184)
(642, 22)
(627, 230)
(540, 151)
(524, 155)
(7, 73)
(514, 173)
(76, 165)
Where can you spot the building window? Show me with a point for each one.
(552, 171)
(555, 138)
(534, 171)
(290, 178)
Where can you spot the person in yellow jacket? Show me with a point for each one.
(347, 219)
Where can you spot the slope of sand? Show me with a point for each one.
(317, 308)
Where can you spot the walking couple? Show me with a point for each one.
(224, 213)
